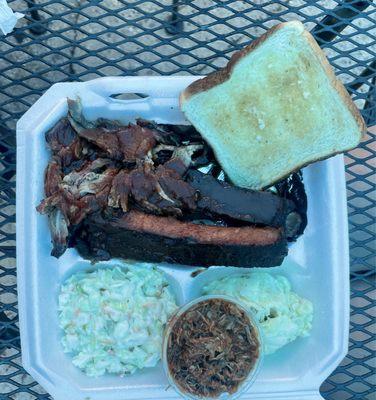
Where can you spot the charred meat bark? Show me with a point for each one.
(64, 143)
(150, 238)
(220, 198)
(292, 188)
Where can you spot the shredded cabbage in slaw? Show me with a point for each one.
(113, 318)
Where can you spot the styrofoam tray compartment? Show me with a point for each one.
(317, 265)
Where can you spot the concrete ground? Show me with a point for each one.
(87, 39)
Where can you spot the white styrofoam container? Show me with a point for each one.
(317, 265)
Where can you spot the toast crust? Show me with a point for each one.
(218, 77)
(336, 83)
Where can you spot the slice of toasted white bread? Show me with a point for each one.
(276, 107)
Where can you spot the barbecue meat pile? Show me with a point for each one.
(138, 191)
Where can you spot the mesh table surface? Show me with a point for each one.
(77, 40)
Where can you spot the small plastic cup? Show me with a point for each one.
(247, 382)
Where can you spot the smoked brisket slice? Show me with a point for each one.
(152, 238)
